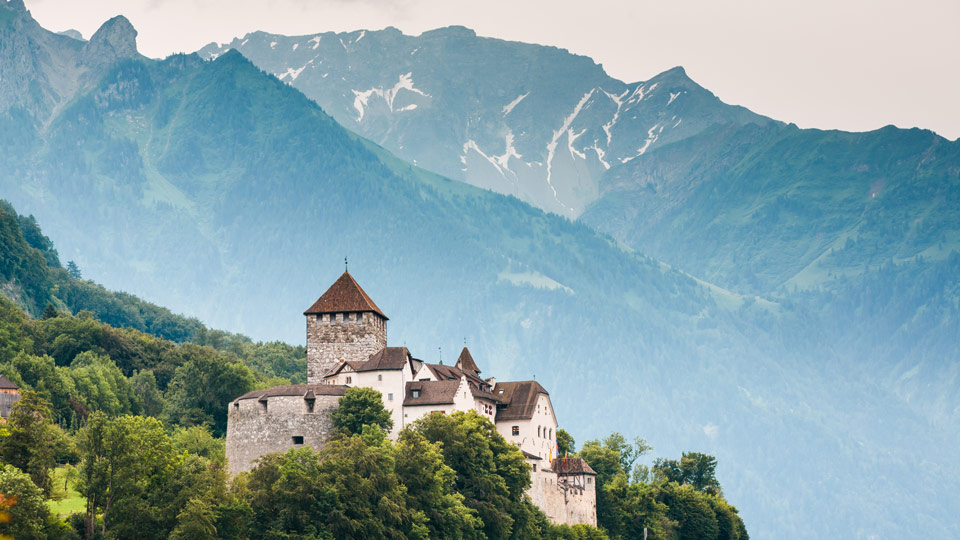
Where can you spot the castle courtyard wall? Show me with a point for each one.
(254, 431)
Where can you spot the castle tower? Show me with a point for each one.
(343, 325)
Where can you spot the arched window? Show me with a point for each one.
(538, 432)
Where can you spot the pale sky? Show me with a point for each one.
(834, 64)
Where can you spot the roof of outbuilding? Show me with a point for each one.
(387, 358)
(431, 392)
(478, 386)
(304, 390)
(7, 384)
(520, 398)
(570, 466)
(466, 363)
(344, 296)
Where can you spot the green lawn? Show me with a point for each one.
(69, 502)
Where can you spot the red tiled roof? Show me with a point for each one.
(344, 296)
(520, 397)
(466, 363)
(571, 466)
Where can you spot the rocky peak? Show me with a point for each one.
(116, 39)
(16, 5)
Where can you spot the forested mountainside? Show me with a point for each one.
(535, 122)
(861, 228)
(216, 190)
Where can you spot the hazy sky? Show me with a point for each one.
(846, 64)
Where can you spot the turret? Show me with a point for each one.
(343, 325)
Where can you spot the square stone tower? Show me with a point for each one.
(343, 325)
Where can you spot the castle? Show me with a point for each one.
(347, 346)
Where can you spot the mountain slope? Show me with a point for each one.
(219, 191)
(531, 121)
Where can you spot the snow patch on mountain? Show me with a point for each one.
(651, 138)
(293, 73)
(316, 41)
(509, 107)
(673, 97)
(404, 82)
(552, 145)
(295, 45)
(273, 44)
(618, 100)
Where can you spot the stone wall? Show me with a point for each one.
(340, 337)
(256, 427)
(7, 399)
(562, 499)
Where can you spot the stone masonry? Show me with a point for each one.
(277, 419)
(334, 338)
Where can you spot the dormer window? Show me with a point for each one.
(415, 393)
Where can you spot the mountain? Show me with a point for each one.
(216, 190)
(838, 223)
(531, 121)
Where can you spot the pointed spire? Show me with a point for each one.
(344, 296)
(465, 362)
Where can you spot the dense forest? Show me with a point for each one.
(119, 434)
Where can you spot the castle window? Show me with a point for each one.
(298, 439)
(515, 430)
(379, 377)
(349, 380)
(538, 431)
(389, 397)
(534, 467)
(551, 434)
(263, 405)
(309, 403)
(415, 393)
(589, 480)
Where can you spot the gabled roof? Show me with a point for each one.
(344, 296)
(571, 466)
(308, 391)
(466, 363)
(387, 358)
(520, 398)
(479, 387)
(7, 384)
(431, 392)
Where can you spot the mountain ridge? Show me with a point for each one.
(484, 125)
(219, 191)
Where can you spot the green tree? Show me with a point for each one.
(201, 387)
(197, 521)
(23, 510)
(429, 488)
(700, 471)
(29, 444)
(491, 473)
(361, 407)
(124, 461)
(73, 270)
(691, 510)
(565, 442)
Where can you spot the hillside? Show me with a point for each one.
(835, 223)
(535, 122)
(218, 191)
